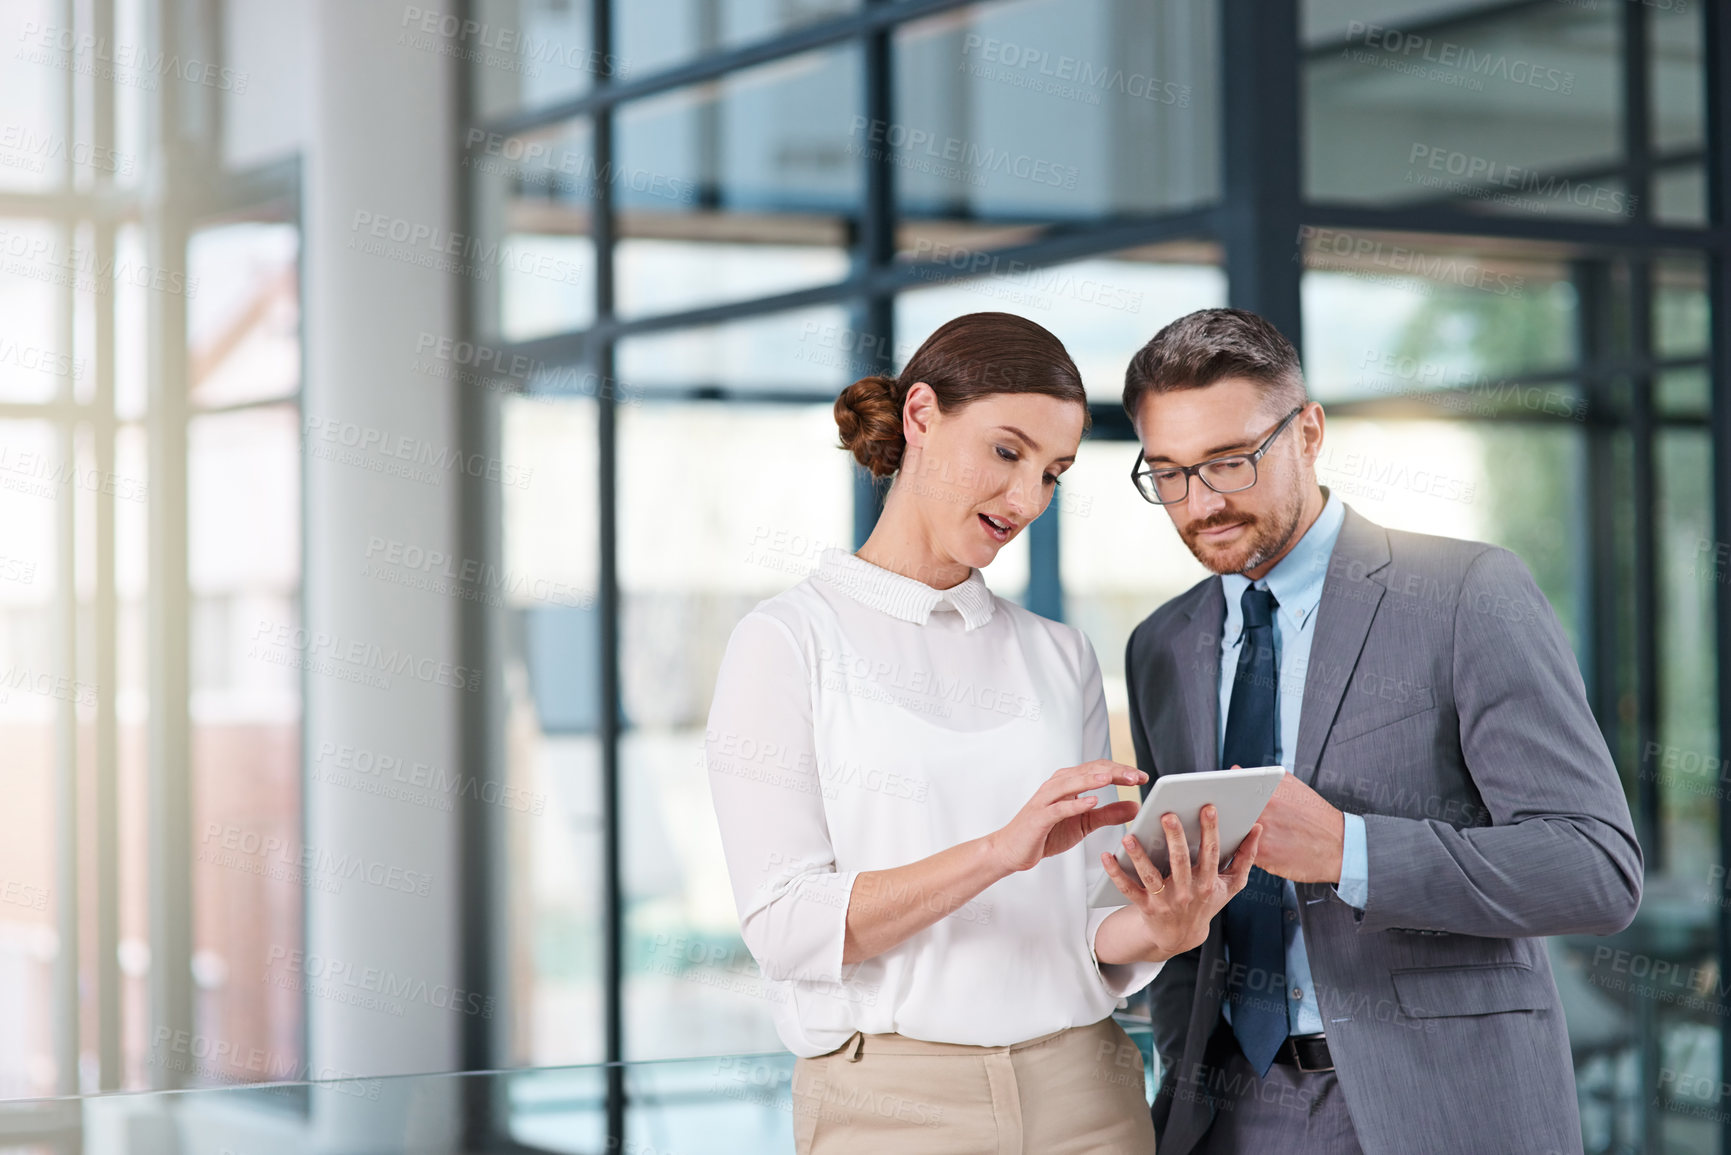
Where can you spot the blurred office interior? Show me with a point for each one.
(400, 403)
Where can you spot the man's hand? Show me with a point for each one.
(1303, 837)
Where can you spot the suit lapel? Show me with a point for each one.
(1196, 662)
(1350, 598)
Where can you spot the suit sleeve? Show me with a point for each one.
(1173, 991)
(1559, 855)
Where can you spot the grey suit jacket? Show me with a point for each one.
(1441, 702)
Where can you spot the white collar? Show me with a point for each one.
(903, 597)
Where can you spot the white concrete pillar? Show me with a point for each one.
(380, 440)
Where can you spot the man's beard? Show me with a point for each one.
(1262, 538)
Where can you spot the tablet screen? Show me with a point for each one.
(1238, 796)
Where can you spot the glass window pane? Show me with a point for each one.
(131, 390)
(86, 301)
(1680, 311)
(1689, 886)
(1514, 485)
(693, 559)
(1384, 317)
(809, 351)
(34, 146)
(1421, 475)
(1023, 113)
(35, 364)
(664, 274)
(738, 189)
(1505, 112)
(243, 326)
(243, 565)
(131, 130)
(533, 192)
(1682, 393)
(29, 944)
(132, 711)
(552, 857)
(1680, 195)
(521, 53)
(1690, 564)
(1675, 38)
(656, 34)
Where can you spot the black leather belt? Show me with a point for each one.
(1309, 1053)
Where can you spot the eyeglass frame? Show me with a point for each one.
(1190, 471)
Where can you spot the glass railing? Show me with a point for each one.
(709, 1106)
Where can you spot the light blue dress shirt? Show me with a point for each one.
(1296, 583)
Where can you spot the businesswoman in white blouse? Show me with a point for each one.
(913, 783)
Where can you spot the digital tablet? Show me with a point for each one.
(1238, 797)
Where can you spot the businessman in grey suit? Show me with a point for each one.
(1380, 985)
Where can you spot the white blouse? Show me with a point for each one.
(862, 721)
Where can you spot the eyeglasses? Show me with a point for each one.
(1170, 484)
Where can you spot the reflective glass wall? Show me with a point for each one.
(150, 479)
(1496, 246)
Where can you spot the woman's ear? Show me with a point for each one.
(919, 413)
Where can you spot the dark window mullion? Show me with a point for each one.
(875, 247)
(1717, 66)
(608, 603)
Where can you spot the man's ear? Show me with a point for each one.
(919, 412)
(1310, 428)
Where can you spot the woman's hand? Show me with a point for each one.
(887, 907)
(1055, 819)
(1177, 909)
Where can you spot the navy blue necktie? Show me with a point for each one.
(1255, 940)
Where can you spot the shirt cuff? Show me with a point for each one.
(798, 930)
(1354, 884)
(1121, 980)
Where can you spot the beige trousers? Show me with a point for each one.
(1077, 1091)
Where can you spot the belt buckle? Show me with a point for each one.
(1298, 1056)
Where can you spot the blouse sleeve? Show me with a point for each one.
(768, 795)
(1119, 979)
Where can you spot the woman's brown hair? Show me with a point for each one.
(973, 356)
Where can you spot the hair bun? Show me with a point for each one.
(870, 419)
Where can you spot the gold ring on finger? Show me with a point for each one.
(1162, 887)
